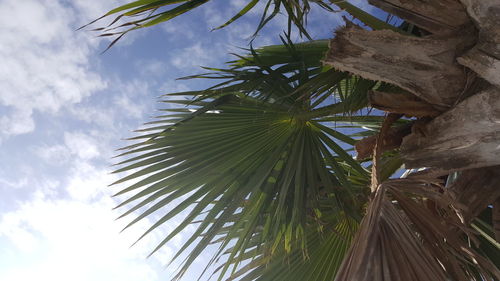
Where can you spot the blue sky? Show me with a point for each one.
(64, 110)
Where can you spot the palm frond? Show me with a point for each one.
(385, 239)
(325, 252)
(364, 17)
(252, 169)
(246, 159)
(410, 241)
(145, 13)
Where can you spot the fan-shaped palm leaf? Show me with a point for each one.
(248, 161)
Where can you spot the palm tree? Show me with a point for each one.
(261, 163)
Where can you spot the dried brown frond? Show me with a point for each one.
(387, 249)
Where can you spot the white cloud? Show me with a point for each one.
(129, 107)
(151, 68)
(128, 104)
(173, 87)
(88, 183)
(214, 16)
(68, 232)
(56, 154)
(121, 104)
(19, 122)
(72, 148)
(173, 29)
(45, 63)
(72, 241)
(18, 183)
(192, 57)
(81, 145)
(75, 238)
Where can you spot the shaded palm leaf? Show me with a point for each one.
(385, 239)
(325, 252)
(292, 74)
(409, 241)
(364, 17)
(247, 161)
(145, 13)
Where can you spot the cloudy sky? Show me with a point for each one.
(65, 109)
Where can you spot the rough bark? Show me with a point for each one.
(427, 174)
(391, 140)
(466, 137)
(427, 14)
(474, 190)
(403, 103)
(486, 17)
(485, 65)
(484, 58)
(425, 67)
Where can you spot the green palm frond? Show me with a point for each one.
(292, 74)
(325, 252)
(145, 13)
(252, 169)
(308, 53)
(247, 159)
(364, 17)
(260, 165)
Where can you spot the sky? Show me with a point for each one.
(65, 109)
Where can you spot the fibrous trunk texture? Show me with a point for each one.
(428, 14)
(484, 58)
(403, 103)
(425, 67)
(465, 137)
(474, 190)
(391, 140)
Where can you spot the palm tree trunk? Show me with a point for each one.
(423, 66)
(453, 70)
(466, 136)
